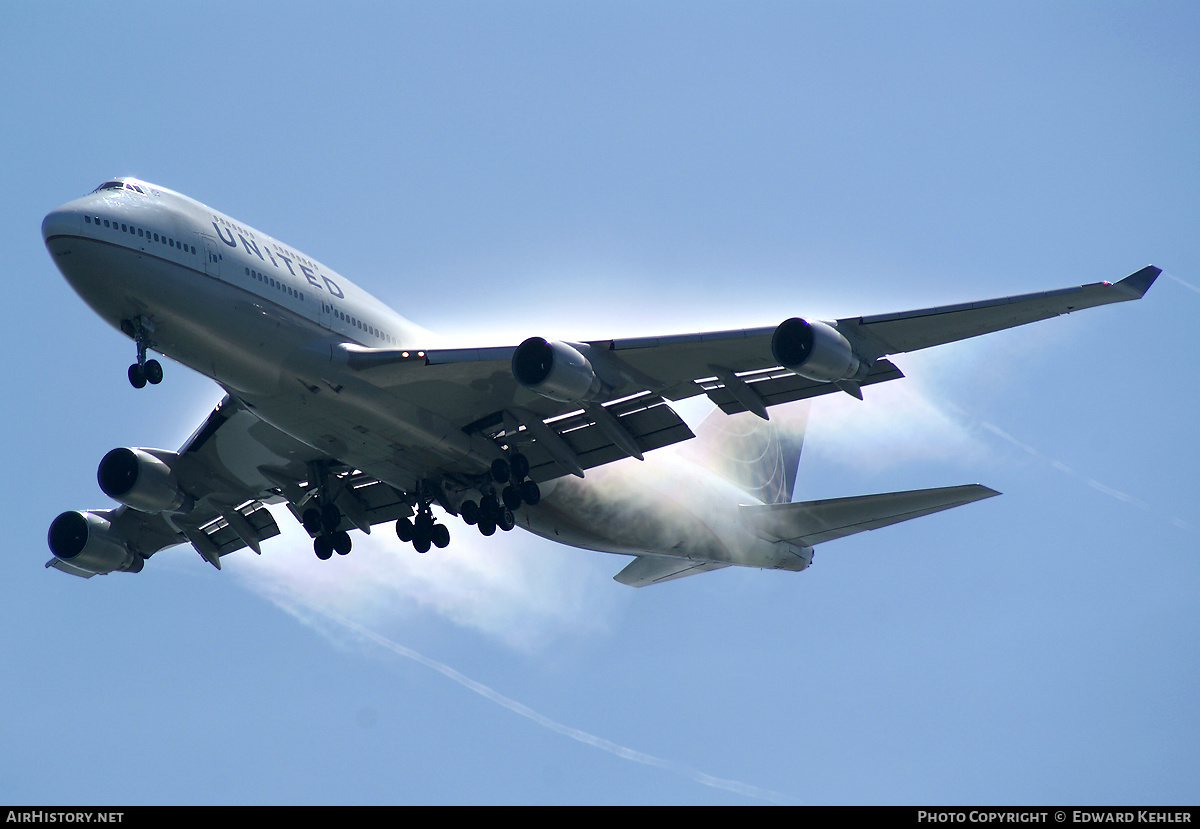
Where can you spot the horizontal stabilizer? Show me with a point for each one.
(815, 522)
(645, 570)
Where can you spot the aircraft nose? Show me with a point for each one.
(62, 221)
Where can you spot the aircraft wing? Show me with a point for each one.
(913, 330)
(476, 388)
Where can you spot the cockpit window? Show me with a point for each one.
(119, 185)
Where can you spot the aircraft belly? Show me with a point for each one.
(607, 512)
(675, 510)
(372, 430)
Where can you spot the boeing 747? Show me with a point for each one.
(351, 416)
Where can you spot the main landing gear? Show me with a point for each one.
(323, 523)
(494, 512)
(423, 531)
(143, 371)
(324, 520)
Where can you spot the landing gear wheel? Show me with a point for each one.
(519, 466)
(153, 371)
(441, 536)
(311, 519)
(323, 547)
(489, 508)
(423, 524)
(137, 377)
(342, 543)
(507, 521)
(500, 471)
(404, 529)
(469, 510)
(487, 527)
(530, 493)
(512, 497)
(421, 543)
(331, 517)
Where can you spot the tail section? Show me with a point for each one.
(815, 522)
(791, 530)
(758, 456)
(648, 569)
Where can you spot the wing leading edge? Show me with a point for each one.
(737, 369)
(914, 330)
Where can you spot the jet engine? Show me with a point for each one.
(555, 370)
(814, 350)
(140, 481)
(87, 541)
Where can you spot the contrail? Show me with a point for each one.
(1187, 285)
(1092, 482)
(734, 786)
(1062, 467)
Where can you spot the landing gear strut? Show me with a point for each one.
(143, 371)
(324, 521)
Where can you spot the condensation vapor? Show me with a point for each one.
(514, 588)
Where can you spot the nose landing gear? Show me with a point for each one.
(143, 371)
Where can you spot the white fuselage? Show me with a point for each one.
(263, 320)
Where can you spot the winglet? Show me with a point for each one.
(1136, 284)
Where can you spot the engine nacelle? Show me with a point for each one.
(87, 541)
(814, 350)
(555, 370)
(140, 481)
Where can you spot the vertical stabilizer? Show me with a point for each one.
(758, 456)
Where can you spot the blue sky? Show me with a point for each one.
(499, 170)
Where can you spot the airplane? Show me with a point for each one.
(352, 416)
